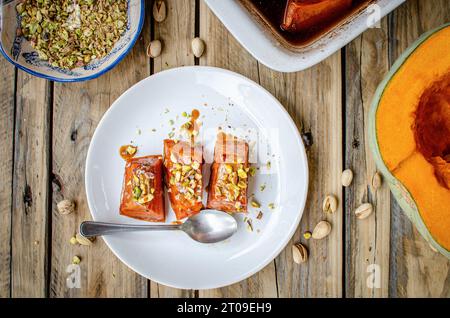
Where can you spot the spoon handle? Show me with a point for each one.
(92, 228)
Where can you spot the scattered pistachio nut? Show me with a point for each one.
(154, 49)
(322, 229)
(376, 180)
(198, 47)
(299, 253)
(76, 260)
(347, 177)
(330, 204)
(73, 240)
(159, 11)
(83, 240)
(65, 207)
(307, 235)
(364, 211)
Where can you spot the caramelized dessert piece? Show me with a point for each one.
(142, 190)
(229, 175)
(301, 15)
(183, 166)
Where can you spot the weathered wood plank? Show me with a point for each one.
(78, 107)
(7, 84)
(313, 98)
(416, 271)
(176, 33)
(367, 241)
(31, 187)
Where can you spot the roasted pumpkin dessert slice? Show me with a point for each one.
(227, 190)
(301, 15)
(183, 167)
(142, 191)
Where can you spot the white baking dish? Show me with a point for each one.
(265, 47)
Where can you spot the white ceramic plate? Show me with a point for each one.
(228, 100)
(261, 43)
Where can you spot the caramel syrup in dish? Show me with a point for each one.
(272, 12)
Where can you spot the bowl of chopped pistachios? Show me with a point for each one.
(69, 40)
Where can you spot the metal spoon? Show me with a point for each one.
(208, 226)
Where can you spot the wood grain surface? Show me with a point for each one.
(30, 196)
(46, 129)
(367, 241)
(7, 104)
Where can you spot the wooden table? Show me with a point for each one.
(46, 129)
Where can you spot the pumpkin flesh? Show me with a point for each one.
(413, 131)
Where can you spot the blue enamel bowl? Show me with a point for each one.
(17, 50)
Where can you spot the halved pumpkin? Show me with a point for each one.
(411, 131)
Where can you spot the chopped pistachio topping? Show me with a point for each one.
(232, 183)
(142, 187)
(229, 168)
(69, 33)
(188, 179)
(255, 204)
(249, 225)
(242, 174)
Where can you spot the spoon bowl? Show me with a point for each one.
(208, 226)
